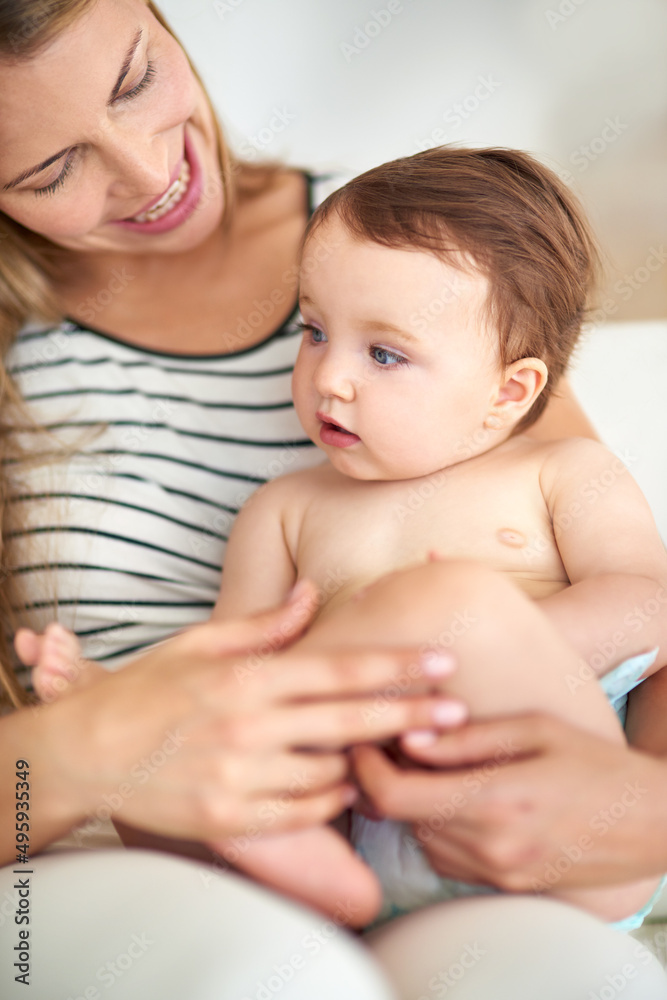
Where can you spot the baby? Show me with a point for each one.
(442, 295)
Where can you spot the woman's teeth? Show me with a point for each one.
(169, 199)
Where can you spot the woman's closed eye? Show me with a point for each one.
(143, 84)
(60, 179)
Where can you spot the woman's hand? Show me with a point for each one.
(211, 734)
(527, 802)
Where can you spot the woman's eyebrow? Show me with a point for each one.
(124, 70)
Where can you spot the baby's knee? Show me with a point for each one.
(457, 589)
(465, 580)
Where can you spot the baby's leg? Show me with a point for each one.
(315, 866)
(510, 660)
(55, 657)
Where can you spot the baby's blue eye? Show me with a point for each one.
(386, 358)
(314, 335)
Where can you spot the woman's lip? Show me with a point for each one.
(185, 207)
(155, 201)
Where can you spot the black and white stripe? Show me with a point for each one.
(123, 541)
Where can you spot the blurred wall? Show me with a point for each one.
(350, 83)
(581, 83)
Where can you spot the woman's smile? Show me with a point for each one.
(177, 203)
(119, 162)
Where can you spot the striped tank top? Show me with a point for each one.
(123, 541)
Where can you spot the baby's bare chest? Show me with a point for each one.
(353, 533)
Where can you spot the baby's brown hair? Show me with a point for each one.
(506, 213)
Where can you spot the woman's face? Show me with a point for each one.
(106, 124)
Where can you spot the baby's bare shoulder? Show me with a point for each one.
(573, 462)
(303, 483)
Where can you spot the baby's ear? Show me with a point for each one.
(521, 384)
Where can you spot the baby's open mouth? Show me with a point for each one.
(333, 433)
(336, 427)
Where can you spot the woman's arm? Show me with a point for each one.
(202, 738)
(616, 606)
(562, 418)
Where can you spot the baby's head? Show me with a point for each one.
(442, 294)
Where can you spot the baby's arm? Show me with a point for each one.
(612, 553)
(259, 570)
(616, 606)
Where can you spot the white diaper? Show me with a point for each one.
(396, 856)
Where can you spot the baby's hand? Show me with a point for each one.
(55, 657)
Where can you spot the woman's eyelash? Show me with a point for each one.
(60, 179)
(142, 85)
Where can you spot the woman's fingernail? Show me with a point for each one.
(437, 663)
(420, 738)
(449, 713)
(297, 591)
(350, 795)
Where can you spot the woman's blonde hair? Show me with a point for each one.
(29, 266)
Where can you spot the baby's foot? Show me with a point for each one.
(315, 866)
(55, 657)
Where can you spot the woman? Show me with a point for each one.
(121, 207)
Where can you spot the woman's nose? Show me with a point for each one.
(140, 165)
